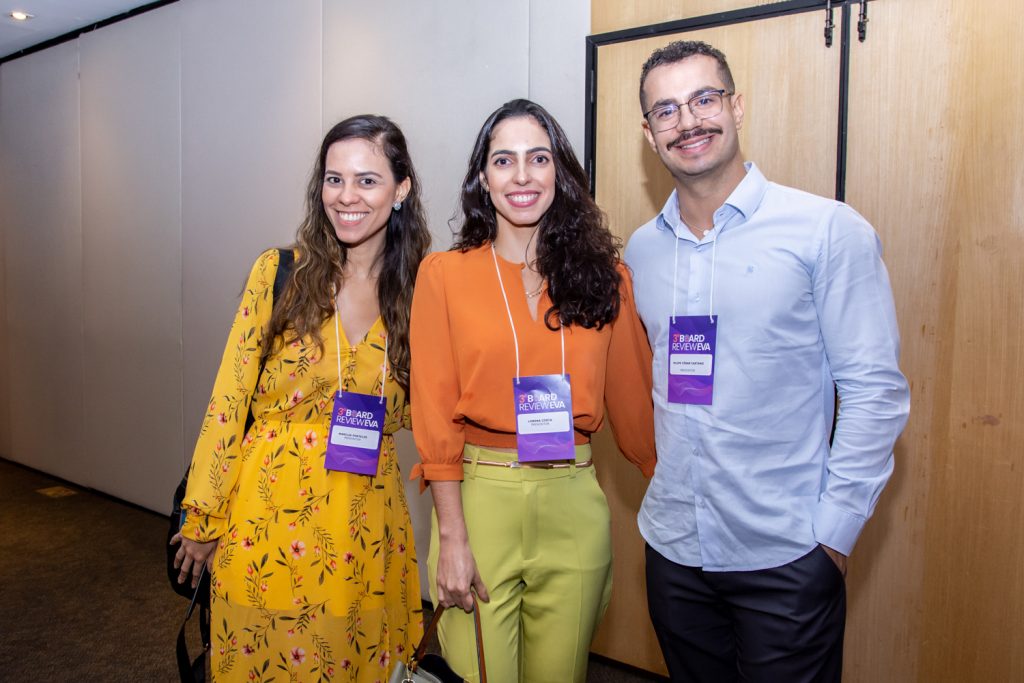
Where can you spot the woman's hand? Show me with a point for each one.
(191, 557)
(457, 573)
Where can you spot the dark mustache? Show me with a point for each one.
(696, 132)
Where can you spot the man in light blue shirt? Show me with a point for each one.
(759, 301)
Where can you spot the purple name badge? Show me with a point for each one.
(544, 426)
(353, 444)
(691, 359)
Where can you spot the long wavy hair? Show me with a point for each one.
(308, 297)
(576, 253)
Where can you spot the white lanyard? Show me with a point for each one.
(675, 271)
(337, 344)
(508, 309)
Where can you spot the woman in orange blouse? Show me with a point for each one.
(518, 337)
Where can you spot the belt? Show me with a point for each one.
(515, 464)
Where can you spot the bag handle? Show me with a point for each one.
(186, 666)
(477, 630)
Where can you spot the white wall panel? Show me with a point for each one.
(39, 172)
(437, 69)
(131, 224)
(558, 62)
(250, 130)
(5, 218)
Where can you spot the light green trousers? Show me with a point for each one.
(542, 543)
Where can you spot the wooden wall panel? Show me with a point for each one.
(973, 592)
(935, 164)
(898, 170)
(614, 15)
(782, 67)
(977, 591)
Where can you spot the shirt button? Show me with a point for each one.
(696, 297)
(700, 503)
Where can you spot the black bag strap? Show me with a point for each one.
(286, 258)
(194, 671)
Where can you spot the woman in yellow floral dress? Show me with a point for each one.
(314, 573)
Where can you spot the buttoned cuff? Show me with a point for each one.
(836, 528)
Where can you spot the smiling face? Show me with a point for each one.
(520, 173)
(695, 148)
(358, 192)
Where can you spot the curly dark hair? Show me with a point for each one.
(576, 253)
(308, 300)
(677, 52)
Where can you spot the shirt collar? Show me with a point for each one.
(744, 199)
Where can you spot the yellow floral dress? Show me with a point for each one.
(315, 577)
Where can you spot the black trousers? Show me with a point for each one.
(780, 625)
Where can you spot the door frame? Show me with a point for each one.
(755, 13)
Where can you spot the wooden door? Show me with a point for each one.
(935, 163)
(790, 83)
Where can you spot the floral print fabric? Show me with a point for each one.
(315, 576)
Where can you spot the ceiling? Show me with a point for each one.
(53, 18)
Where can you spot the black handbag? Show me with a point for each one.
(424, 668)
(194, 671)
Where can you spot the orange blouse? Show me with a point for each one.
(464, 363)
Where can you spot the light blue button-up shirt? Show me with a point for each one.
(804, 305)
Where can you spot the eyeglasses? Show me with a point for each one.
(702, 106)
